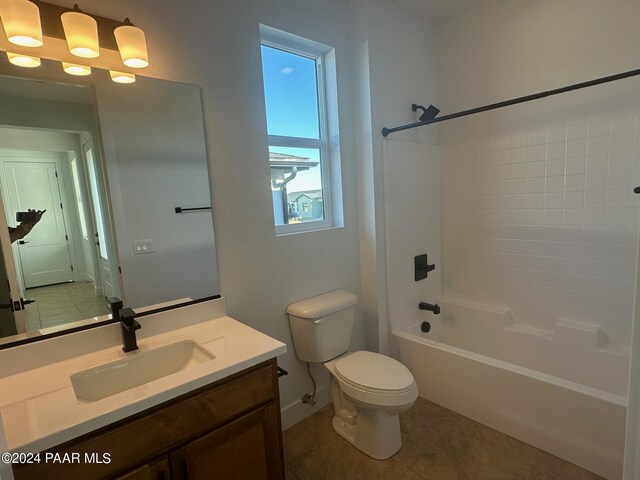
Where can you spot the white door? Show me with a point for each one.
(44, 253)
(10, 290)
(100, 218)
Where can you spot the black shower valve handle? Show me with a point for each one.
(422, 267)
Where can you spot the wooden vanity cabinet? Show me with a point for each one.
(158, 470)
(228, 430)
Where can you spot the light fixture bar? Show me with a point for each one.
(50, 18)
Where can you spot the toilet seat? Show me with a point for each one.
(374, 371)
(374, 379)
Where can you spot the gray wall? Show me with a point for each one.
(156, 160)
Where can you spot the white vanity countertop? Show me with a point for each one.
(39, 408)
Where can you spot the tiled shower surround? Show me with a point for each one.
(545, 222)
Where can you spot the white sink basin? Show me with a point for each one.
(135, 370)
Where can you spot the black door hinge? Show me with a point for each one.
(61, 205)
(56, 174)
(66, 237)
(72, 268)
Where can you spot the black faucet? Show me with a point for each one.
(128, 323)
(435, 308)
(115, 305)
(128, 327)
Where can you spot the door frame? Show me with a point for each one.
(96, 257)
(85, 193)
(631, 464)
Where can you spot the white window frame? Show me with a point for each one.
(287, 42)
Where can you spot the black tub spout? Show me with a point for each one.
(435, 308)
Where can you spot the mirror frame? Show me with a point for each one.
(46, 336)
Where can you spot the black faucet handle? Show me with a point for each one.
(114, 304)
(422, 267)
(128, 319)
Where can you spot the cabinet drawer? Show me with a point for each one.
(153, 432)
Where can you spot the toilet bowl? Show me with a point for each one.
(368, 389)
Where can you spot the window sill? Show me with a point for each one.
(285, 232)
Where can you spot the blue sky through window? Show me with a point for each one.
(291, 94)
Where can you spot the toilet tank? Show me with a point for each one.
(321, 326)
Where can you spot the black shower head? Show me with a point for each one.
(430, 112)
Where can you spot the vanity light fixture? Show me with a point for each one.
(81, 31)
(22, 60)
(21, 20)
(132, 45)
(122, 77)
(27, 22)
(75, 69)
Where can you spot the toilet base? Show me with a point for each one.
(373, 431)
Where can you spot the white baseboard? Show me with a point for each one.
(298, 411)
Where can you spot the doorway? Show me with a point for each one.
(44, 256)
(63, 265)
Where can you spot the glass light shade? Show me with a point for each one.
(74, 69)
(21, 20)
(22, 60)
(132, 45)
(122, 77)
(81, 32)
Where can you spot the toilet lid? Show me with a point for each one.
(375, 371)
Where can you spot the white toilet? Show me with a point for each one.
(369, 390)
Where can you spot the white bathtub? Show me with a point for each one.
(559, 391)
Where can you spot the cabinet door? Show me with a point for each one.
(157, 470)
(247, 448)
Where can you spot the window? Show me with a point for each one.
(298, 100)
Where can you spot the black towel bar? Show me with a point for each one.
(181, 209)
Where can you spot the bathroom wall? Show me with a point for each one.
(215, 44)
(538, 212)
(545, 222)
(502, 49)
(46, 114)
(412, 204)
(395, 67)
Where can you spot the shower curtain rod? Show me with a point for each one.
(515, 101)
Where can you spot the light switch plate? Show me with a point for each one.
(143, 246)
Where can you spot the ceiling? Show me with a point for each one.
(436, 11)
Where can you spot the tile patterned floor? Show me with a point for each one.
(64, 303)
(438, 444)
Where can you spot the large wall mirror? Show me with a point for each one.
(121, 174)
